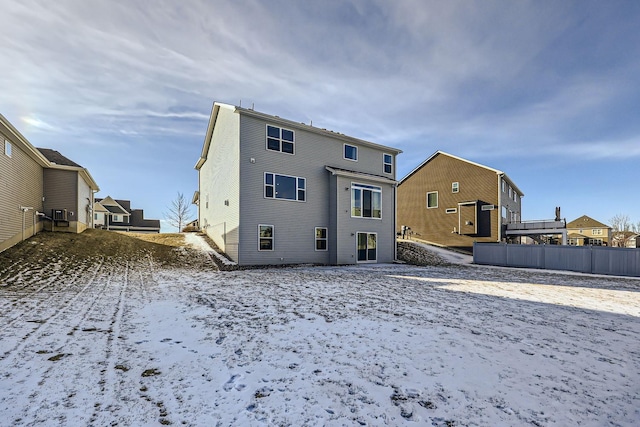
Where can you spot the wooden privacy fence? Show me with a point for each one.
(584, 259)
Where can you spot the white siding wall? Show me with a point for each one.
(85, 201)
(219, 182)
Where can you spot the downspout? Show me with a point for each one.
(395, 221)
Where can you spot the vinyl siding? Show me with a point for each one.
(348, 226)
(294, 222)
(435, 225)
(84, 203)
(219, 179)
(20, 185)
(61, 190)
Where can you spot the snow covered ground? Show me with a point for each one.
(133, 344)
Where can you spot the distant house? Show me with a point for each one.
(38, 187)
(117, 215)
(454, 202)
(625, 239)
(586, 231)
(275, 191)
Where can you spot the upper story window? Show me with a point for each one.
(504, 186)
(285, 187)
(7, 148)
(596, 232)
(279, 139)
(387, 163)
(432, 199)
(510, 192)
(366, 201)
(515, 196)
(351, 152)
(455, 187)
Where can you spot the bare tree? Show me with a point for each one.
(622, 228)
(179, 212)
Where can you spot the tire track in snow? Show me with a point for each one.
(107, 382)
(43, 324)
(39, 297)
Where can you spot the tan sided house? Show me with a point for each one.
(586, 231)
(38, 187)
(454, 202)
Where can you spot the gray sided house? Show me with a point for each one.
(117, 215)
(275, 191)
(38, 187)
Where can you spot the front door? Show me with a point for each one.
(367, 247)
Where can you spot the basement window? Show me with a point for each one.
(451, 210)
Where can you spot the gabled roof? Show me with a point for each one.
(586, 222)
(284, 122)
(56, 158)
(113, 206)
(97, 207)
(58, 161)
(437, 153)
(116, 210)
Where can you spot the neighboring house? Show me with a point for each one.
(275, 191)
(39, 186)
(624, 239)
(586, 231)
(454, 202)
(117, 215)
(69, 193)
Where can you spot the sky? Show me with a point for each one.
(546, 91)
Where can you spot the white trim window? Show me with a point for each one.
(451, 210)
(488, 207)
(7, 148)
(366, 201)
(321, 238)
(265, 237)
(280, 139)
(432, 199)
(387, 163)
(115, 218)
(285, 187)
(455, 187)
(350, 152)
(504, 186)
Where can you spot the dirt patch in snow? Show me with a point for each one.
(412, 253)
